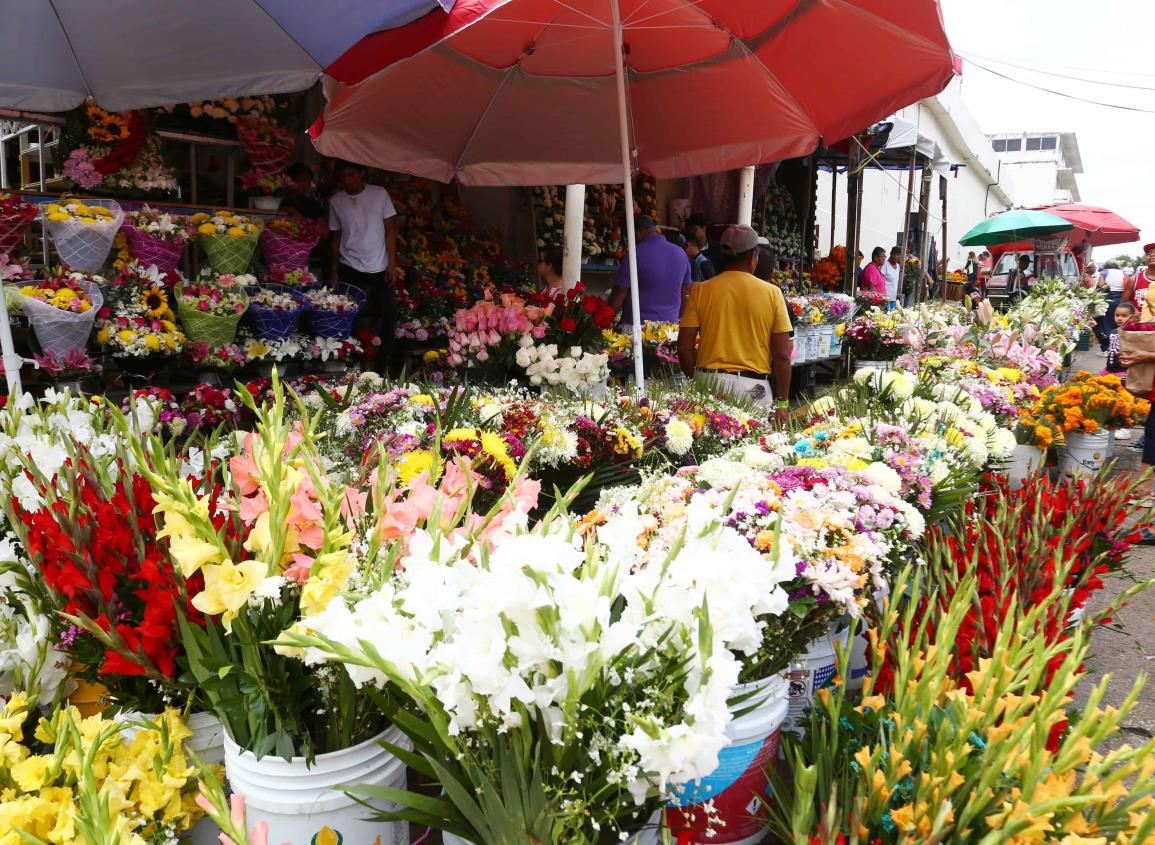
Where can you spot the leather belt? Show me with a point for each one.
(743, 373)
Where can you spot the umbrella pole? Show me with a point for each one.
(628, 186)
(12, 361)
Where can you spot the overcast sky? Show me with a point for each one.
(1104, 40)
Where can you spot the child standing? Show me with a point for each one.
(1124, 311)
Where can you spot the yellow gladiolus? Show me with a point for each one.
(227, 589)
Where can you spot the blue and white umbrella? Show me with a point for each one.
(138, 53)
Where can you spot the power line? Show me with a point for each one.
(1118, 106)
(1062, 75)
(1102, 70)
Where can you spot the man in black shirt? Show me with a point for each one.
(299, 201)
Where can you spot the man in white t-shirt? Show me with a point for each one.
(364, 249)
(892, 272)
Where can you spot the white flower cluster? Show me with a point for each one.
(29, 659)
(574, 370)
(531, 628)
(36, 432)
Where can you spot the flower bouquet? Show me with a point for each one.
(211, 308)
(83, 231)
(208, 407)
(156, 238)
(299, 278)
(333, 309)
(138, 320)
(268, 148)
(875, 336)
(487, 334)
(287, 241)
(62, 308)
(228, 239)
(274, 311)
(577, 370)
(100, 565)
(269, 538)
(155, 409)
(72, 366)
(16, 216)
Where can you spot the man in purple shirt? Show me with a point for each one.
(663, 278)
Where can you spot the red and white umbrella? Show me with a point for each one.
(535, 92)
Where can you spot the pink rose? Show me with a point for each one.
(203, 305)
(538, 332)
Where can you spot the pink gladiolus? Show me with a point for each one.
(244, 469)
(300, 569)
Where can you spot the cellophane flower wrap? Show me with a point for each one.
(156, 238)
(16, 215)
(211, 307)
(83, 231)
(286, 243)
(227, 239)
(62, 309)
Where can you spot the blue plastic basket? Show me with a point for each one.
(269, 323)
(333, 324)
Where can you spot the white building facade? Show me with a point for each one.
(978, 184)
(1044, 164)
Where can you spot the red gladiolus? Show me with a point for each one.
(94, 544)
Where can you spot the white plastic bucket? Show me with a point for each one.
(1084, 453)
(736, 788)
(809, 673)
(801, 344)
(298, 801)
(825, 336)
(858, 664)
(874, 365)
(1023, 463)
(650, 836)
(816, 343)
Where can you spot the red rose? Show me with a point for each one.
(591, 304)
(567, 325)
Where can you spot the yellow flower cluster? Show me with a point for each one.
(225, 222)
(77, 211)
(493, 448)
(64, 298)
(143, 775)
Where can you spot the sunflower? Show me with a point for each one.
(155, 302)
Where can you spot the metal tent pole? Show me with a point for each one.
(628, 186)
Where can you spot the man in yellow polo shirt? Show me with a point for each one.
(743, 326)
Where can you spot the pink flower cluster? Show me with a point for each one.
(79, 169)
(404, 509)
(477, 331)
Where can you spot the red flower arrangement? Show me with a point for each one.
(206, 406)
(1019, 544)
(95, 545)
